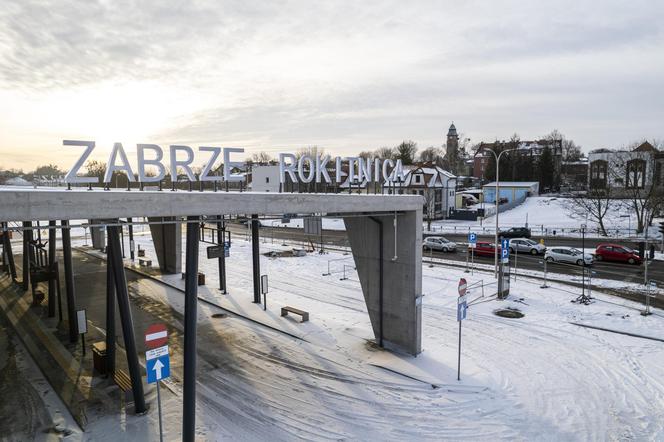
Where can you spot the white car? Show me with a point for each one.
(439, 243)
(525, 245)
(568, 255)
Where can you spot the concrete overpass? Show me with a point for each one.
(384, 232)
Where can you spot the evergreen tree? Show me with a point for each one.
(546, 169)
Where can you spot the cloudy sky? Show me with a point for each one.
(347, 76)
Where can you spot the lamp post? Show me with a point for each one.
(497, 156)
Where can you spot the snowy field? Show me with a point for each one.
(546, 214)
(536, 378)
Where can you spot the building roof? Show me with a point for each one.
(513, 184)
(645, 147)
(452, 132)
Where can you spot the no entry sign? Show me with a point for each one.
(463, 285)
(156, 335)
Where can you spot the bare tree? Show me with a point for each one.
(261, 158)
(385, 153)
(595, 203)
(431, 154)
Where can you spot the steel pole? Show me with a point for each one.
(26, 255)
(255, 253)
(9, 252)
(110, 309)
(131, 238)
(52, 281)
(126, 319)
(221, 238)
(190, 317)
(497, 187)
(69, 281)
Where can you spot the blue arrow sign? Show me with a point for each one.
(462, 306)
(157, 364)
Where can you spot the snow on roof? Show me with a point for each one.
(513, 184)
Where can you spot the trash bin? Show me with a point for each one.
(99, 357)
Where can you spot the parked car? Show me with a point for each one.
(515, 232)
(568, 255)
(439, 243)
(525, 245)
(617, 253)
(485, 248)
(244, 221)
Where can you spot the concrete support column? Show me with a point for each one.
(167, 239)
(398, 312)
(98, 235)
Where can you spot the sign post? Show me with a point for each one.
(264, 290)
(462, 306)
(157, 361)
(82, 327)
(472, 243)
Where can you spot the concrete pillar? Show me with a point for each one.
(98, 235)
(402, 277)
(167, 239)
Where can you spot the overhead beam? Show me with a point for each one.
(34, 204)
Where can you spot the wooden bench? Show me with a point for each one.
(144, 262)
(302, 313)
(123, 381)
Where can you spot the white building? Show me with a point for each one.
(265, 179)
(436, 185)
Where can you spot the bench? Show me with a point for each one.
(302, 313)
(123, 381)
(144, 262)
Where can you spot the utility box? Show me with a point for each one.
(99, 357)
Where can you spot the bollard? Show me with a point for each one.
(544, 286)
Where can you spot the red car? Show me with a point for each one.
(617, 253)
(485, 248)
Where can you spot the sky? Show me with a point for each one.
(346, 76)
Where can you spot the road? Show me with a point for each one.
(613, 271)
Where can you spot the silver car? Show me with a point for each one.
(568, 255)
(525, 245)
(439, 243)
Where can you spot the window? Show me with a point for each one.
(636, 174)
(418, 179)
(267, 179)
(658, 174)
(598, 171)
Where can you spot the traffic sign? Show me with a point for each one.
(156, 335)
(462, 306)
(505, 250)
(157, 364)
(463, 284)
(472, 240)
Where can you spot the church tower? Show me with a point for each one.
(452, 143)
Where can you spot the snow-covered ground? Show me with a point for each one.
(544, 215)
(536, 378)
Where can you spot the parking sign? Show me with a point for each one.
(472, 240)
(505, 250)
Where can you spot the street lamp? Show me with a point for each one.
(497, 156)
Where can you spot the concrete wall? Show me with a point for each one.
(167, 239)
(402, 278)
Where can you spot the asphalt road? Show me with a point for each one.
(614, 271)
